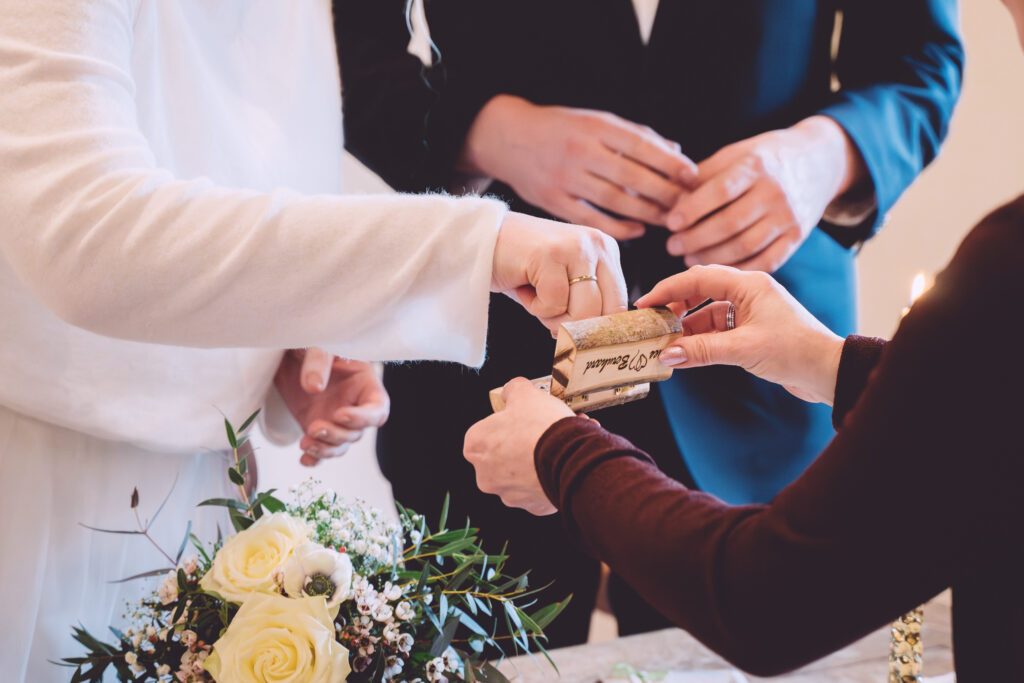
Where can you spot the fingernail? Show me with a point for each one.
(314, 380)
(673, 355)
(313, 451)
(322, 434)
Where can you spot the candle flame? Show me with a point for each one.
(918, 287)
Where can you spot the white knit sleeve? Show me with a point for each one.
(112, 243)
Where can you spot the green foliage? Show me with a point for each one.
(461, 596)
(469, 588)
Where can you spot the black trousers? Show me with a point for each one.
(420, 453)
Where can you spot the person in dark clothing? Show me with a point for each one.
(918, 492)
(590, 110)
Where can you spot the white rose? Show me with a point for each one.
(316, 570)
(248, 561)
(274, 638)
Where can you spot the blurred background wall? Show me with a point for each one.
(981, 166)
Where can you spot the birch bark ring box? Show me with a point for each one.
(607, 361)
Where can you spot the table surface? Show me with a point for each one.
(673, 650)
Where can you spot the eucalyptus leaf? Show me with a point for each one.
(444, 638)
(470, 623)
(443, 520)
(248, 421)
(160, 508)
(232, 439)
(184, 542)
(239, 521)
(236, 477)
(490, 674)
(126, 532)
(545, 615)
(225, 502)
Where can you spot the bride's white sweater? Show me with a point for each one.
(170, 219)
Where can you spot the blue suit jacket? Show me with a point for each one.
(713, 72)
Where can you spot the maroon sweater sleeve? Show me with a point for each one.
(860, 356)
(920, 487)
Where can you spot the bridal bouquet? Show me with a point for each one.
(319, 589)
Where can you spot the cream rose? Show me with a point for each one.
(247, 563)
(274, 638)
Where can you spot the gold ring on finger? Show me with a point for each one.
(582, 278)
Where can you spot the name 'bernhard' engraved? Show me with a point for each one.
(636, 361)
(609, 360)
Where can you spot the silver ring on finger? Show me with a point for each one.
(730, 317)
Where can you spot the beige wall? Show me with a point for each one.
(981, 166)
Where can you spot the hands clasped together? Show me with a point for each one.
(774, 338)
(751, 205)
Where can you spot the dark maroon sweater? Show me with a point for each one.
(922, 489)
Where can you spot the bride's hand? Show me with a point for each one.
(334, 400)
(558, 271)
(774, 338)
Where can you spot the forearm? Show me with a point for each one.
(112, 242)
(839, 158)
(749, 582)
(189, 264)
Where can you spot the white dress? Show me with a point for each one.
(169, 179)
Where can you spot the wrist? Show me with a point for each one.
(828, 351)
(485, 142)
(840, 159)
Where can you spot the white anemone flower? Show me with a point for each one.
(315, 570)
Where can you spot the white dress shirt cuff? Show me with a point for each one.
(276, 421)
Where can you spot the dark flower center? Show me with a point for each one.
(318, 584)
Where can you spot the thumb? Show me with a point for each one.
(316, 370)
(700, 350)
(515, 389)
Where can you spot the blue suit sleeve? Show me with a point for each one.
(900, 66)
